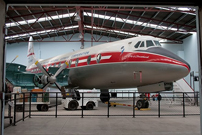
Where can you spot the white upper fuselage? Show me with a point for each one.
(120, 64)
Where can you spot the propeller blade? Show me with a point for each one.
(43, 70)
(61, 68)
(62, 89)
(46, 86)
(58, 86)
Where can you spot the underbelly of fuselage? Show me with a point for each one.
(124, 75)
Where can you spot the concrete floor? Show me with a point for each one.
(107, 126)
(115, 125)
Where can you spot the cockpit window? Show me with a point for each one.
(149, 43)
(142, 44)
(137, 44)
(157, 43)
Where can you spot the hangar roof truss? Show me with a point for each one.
(43, 22)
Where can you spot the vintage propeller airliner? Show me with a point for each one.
(138, 62)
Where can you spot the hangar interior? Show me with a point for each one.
(61, 29)
(56, 30)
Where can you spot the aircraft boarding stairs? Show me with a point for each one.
(180, 87)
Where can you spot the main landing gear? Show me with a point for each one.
(143, 102)
(104, 96)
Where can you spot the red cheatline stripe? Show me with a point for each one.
(125, 57)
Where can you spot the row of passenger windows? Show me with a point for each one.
(98, 58)
(148, 43)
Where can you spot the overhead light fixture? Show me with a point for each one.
(80, 36)
(77, 18)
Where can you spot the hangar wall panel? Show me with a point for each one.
(191, 56)
(187, 51)
(45, 50)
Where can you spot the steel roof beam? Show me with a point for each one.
(147, 9)
(51, 32)
(176, 21)
(92, 21)
(114, 22)
(131, 31)
(38, 22)
(155, 20)
(173, 24)
(24, 20)
(48, 20)
(150, 21)
(162, 22)
(59, 28)
(193, 20)
(31, 14)
(138, 19)
(104, 8)
(60, 22)
(20, 37)
(103, 20)
(70, 21)
(14, 21)
(181, 36)
(165, 20)
(81, 26)
(126, 20)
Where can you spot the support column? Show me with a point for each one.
(2, 61)
(199, 38)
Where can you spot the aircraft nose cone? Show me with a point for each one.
(164, 52)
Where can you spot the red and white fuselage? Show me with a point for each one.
(129, 63)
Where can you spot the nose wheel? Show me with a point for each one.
(142, 102)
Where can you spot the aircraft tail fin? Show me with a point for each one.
(30, 52)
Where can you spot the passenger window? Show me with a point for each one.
(142, 44)
(157, 43)
(149, 43)
(88, 60)
(98, 58)
(77, 61)
(137, 44)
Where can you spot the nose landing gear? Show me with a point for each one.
(143, 102)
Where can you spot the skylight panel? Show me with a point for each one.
(42, 19)
(145, 24)
(39, 32)
(114, 31)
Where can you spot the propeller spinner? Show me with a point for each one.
(49, 79)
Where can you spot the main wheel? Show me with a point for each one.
(142, 104)
(44, 107)
(38, 107)
(73, 104)
(89, 106)
(104, 97)
(139, 104)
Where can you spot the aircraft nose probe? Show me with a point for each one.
(48, 78)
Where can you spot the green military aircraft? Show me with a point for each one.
(17, 75)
